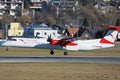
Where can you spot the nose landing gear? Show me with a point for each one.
(52, 52)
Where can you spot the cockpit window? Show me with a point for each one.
(12, 39)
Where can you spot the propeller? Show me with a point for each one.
(49, 38)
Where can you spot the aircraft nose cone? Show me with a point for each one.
(2, 43)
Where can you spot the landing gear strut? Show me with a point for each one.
(7, 48)
(51, 52)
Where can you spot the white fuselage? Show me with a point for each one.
(43, 43)
(88, 45)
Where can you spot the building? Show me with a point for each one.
(12, 7)
(104, 7)
(78, 32)
(28, 32)
(37, 1)
(106, 0)
(15, 30)
(70, 32)
(85, 34)
(39, 5)
(64, 3)
(37, 30)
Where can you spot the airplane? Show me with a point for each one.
(70, 44)
(66, 43)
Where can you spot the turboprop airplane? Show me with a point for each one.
(68, 44)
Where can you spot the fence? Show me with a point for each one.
(117, 45)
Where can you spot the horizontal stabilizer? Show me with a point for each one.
(116, 28)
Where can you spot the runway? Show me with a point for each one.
(101, 59)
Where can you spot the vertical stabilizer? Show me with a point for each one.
(111, 35)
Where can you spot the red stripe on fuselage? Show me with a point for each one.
(63, 43)
(103, 40)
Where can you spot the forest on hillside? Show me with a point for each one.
(84, 11)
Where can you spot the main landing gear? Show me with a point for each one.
(52, 52)
(65, 53)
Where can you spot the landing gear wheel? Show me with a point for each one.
(7, 48)
(65, 53)
(51, 52)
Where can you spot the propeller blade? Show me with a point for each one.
(49, 38)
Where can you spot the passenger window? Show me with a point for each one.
(45, 33)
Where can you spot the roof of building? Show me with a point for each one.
(38, 25)
(78, 32)
(92, 31)
(72, 31)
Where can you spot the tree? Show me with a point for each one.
(51, 20)
(86, 2)
(99, 34)
(85, 22)
(6, 19)
(118, 22)
(26, 4)
(0, 24)
(23, 19)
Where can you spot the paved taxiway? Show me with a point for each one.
(101, 59)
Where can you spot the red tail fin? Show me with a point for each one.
(116, 28)
(111, 35)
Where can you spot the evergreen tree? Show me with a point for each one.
(99, 34)
(85, 23)
(86, 2)
(118, 22)
(26, 4)
(0, 24)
